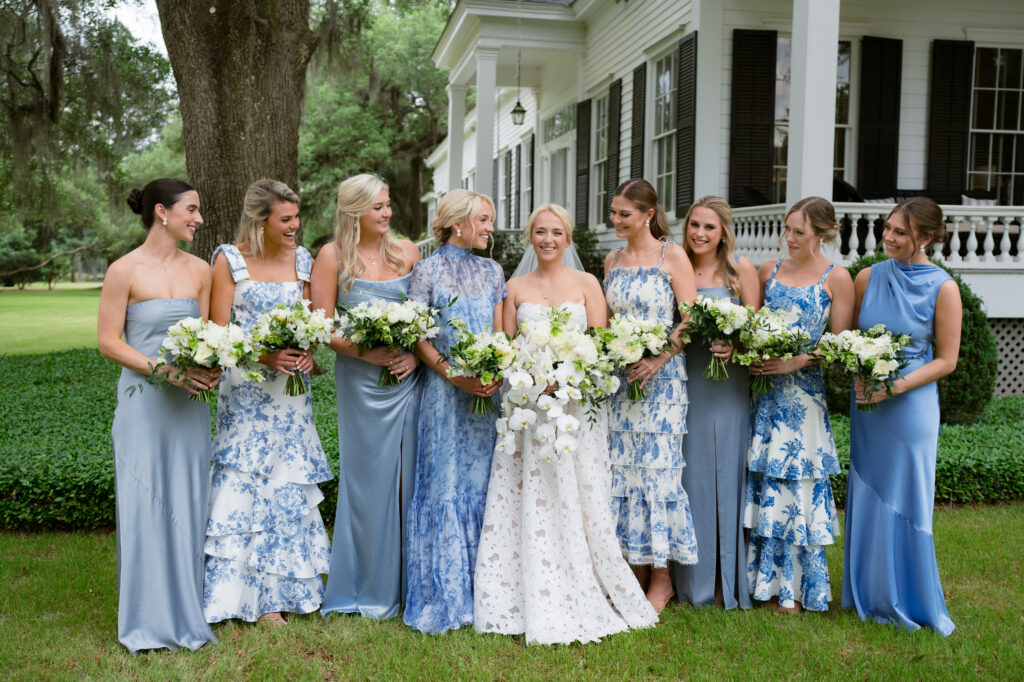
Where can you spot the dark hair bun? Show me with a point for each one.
(135, 200)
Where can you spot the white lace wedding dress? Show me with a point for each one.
(549, 563)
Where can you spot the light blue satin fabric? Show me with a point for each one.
(717, 435)
(162, 469)
(890, 572)
(377, 455)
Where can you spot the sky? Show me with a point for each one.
(140, 17)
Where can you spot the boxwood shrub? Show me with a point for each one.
(965, 392)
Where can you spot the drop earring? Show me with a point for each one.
(458, 231)
(164, 221)
(647, 223)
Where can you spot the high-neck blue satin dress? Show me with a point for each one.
(890, 574)
(162, 471)
(377, 456)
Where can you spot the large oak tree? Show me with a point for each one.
(240, 67)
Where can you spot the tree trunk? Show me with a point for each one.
(240, 67)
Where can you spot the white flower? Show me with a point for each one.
(520, 379)
(568, 424)
(521, 418)
(565, 445)
(545, 433)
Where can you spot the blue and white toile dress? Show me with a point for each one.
(266, 544)
(788, 501)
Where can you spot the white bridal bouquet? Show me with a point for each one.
(555, 363)
(875, 356)
(394, 325)
(292, 326)
(769, 334)
(194, 342)
(485, 355)
(712, 319)
(627, 340)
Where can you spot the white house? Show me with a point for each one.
(760, 101)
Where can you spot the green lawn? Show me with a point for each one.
(39, 321)
(58, 615)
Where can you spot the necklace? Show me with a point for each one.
(365, 257)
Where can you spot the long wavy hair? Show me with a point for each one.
(356, 196)
(726, 246)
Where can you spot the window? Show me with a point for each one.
(526, 179)
(843, 145)
(558, 178)
(996, 153)
(560, 123)
(664, 128)
(501, 220)
(599, 150)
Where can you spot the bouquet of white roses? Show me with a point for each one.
(394, 325)
(485, 355)
(627, 340)
(714, 318)
(874, 356)
(551, 352)
(194, 342)
(292, 326)
(770, 333)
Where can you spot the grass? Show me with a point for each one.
(58, 613)
(39, 321)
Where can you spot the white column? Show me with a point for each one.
(456, 132)
(812, 99)
(709, 178)
(486, 89)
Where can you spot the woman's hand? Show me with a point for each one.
(289, 360)
(381, 356)
(193, 380)
(402, 365)
(779, 366)
(860, 388)
(720, 349)
(473, 386)
(643, 370)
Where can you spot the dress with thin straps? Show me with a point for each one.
(788, 503)
(651, 507)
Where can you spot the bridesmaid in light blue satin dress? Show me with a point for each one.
(718, 420)
(161, 438)
(376, 425)
(454, 446)
(890, 574)
(648, 279)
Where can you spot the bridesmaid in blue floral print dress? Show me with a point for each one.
(789, 507)
(266, 544)
(647, 279)
(454, 446)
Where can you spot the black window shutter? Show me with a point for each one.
(611, 169)
(518, 194)
(494, 183)
(686, 121)
(583, 162)
(879, 118)
(508, 191)
(752, 117)
(530, 164)
(949, 119)
(636, 156)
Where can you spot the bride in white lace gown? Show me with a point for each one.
(549, 563)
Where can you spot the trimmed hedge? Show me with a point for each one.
(965, 392)
(57, 471)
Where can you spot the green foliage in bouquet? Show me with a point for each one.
(963, 394)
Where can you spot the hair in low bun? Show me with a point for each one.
(641, 194)
(820, 215)
(165, 191)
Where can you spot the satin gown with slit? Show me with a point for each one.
(377, 458)
(890, 573)
(162, 473)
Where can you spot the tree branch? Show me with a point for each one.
(84, 247)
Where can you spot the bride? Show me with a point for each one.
(549, 563)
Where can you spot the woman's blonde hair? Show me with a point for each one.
(259, 202)
(356, 196)
(558, 211)
(458, 206)
(726, 246)
(820, 214)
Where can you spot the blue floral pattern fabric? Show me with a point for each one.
(652, 511)
(454, 448)
(266, 544)
(788, 504)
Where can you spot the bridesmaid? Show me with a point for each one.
(889, 572)
(266, 543)
(648, 278)
(161, 438)
(454, 447)
(789, 506)
(718, 420)
(376, 426)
